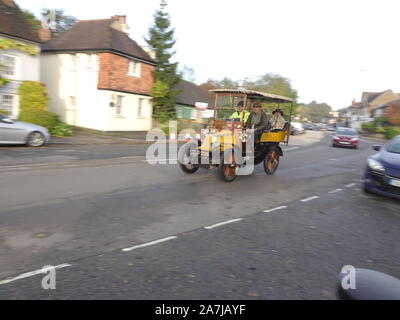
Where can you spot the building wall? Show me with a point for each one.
(114, 75)
(27, 68)
(72, 83)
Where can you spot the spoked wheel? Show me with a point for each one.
(184, 158)
(35, 139)
(271, 161)
(228, 168)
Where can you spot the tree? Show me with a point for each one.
(63, 22)
(161, 41)
(187, 74)
(32, 19)
(314, 111)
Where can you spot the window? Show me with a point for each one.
(7, 102)
(140, 108)
(134, 68)
(72, 102)
(9, 65)
(119, 106)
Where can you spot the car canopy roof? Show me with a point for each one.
(254, 94)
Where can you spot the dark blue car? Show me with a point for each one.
(382, 175)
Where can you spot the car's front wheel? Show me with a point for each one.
(35, 139)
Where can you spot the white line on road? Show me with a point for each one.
(309, 199)
(275, 209)
(350, 185)
(333, 159)
(222, 223)
(290, 149)
(336, 190)
(149, 243)
(33, 273)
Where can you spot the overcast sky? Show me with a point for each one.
(332, 50)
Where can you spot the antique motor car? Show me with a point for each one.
(227, 146)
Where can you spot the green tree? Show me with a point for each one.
(161, 41)
(32, 19)
(314, 111)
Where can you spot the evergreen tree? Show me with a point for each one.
(161, 41)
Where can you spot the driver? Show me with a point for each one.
(258, 121)
(240, 112)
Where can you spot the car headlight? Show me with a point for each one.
(354, 139)
(335, 138)
(375, 165)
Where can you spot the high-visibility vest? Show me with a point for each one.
(239, 115)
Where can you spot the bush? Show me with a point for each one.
(368, 127)
(40, 117)
(391, 132)
(33, 96)
(61, 129)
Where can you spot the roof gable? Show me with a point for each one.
(13, 22)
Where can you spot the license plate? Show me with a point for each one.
(394, 182)
(343, 142)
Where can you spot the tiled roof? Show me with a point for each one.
(190, 94)
(96, 35)
(13, 22)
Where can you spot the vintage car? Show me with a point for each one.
(227, 145)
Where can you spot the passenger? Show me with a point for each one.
(258, 121)
(277, 121)
(240, 112)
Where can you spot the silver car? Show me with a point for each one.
(18, 132)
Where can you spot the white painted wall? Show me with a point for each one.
(65, 79)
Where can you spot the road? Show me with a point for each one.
(98, 211)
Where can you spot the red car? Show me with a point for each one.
(345, 137)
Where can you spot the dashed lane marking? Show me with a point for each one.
(33, 273)
(336, 190)
(275, 209)
(149, 243)
(222, 223)
(309, 198)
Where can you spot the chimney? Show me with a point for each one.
(120, 23)
(353, 102)
(44, 34)
(9, 3)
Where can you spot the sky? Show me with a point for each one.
(331, 50)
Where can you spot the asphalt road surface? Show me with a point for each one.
(120, 228)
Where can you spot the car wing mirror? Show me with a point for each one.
(376, 148)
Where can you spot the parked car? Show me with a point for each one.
(18, 132)
(382, 174)
(345, 137)
(311, 126)
(296, 128)
(330, 128)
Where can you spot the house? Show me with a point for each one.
(192, 103)
(374, 99)
(99, 78)
(390, 111)
(368, 108)
(21, 61)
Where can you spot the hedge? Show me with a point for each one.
(391, 132)
(40, 117)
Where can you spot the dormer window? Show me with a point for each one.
(134, 69)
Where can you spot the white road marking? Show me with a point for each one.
(333, 159)
(149, 243)
(33, 273)
(336, 190)
(309, 198)
(350, 185)
(275, 209)
(222, 223)
(290, 149)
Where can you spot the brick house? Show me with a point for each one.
(17, 65)
(99, 78)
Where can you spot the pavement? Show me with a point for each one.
(120, 228)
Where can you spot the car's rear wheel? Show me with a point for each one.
(271, 161)
(35, 139)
